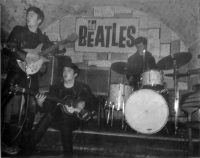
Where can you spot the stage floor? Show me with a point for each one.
(103, 141)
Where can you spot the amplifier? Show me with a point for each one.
(50, 76)
(96, 78)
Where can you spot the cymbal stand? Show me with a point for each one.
(123, 100)
(108, 114)
(176, 96)
(107, 100)
(109, 104)
(112, 114)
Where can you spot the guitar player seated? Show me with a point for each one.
(66, 105)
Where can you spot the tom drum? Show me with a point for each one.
(152, 78)
(118, 95)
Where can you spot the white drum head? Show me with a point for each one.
(118, 95)
(152, 77)
(146, 111)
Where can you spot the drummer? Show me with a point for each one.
(139, 62)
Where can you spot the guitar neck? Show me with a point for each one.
(55, 46)
(50, 49)
(48, 97)
(81, 114)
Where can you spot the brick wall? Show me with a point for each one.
(162, 41)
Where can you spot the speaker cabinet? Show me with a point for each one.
(50, 74)
(96, 78)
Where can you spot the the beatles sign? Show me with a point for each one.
(106, 34)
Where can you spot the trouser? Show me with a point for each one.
(12, 102)
(66, 125)
(17, 119)
(38, 132)
(17, 114)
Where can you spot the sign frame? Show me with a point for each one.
(96, 34)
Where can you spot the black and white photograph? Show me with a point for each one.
(100, 78)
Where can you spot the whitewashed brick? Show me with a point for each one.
(165, 34)
(104, 11)
(154, 42)
(164, 49)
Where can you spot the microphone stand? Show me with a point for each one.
(26, 101)
(143, 63)
(123, 98)
(143, 66)
(176, 96)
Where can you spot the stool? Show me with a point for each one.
(190, 110)
(190, 104)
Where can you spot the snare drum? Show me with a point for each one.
(152, 78)
(118, 95)
(146, 111)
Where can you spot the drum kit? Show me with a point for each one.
(146, 110)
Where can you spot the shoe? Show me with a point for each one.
(65, 156)
(25, 152)
(68, 155)
(10, 150)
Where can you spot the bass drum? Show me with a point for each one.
(146, 111)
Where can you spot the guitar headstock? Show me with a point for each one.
(9, 46)
(16, 89)
(71, 38)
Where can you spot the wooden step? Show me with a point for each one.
(108, 141)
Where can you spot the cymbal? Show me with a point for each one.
(167, 62)
(119, 67)
(177, 75)
(194, 71)
(190, 72)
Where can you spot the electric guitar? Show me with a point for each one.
(30, 66)
(69, 105)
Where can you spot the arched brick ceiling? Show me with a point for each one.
(182, 16)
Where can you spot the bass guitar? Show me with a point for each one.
(69, 105)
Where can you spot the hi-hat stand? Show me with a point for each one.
(176, 96)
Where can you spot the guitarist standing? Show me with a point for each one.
(78, 101)
(21, 38)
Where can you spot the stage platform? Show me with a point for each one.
(94, 140)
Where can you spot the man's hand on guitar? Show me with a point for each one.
(77, 109)
(40, 98)
(70, 109)
(80, 105)
(32, 56)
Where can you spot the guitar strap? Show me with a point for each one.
(75, 92)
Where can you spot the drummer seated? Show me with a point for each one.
(139, 62)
